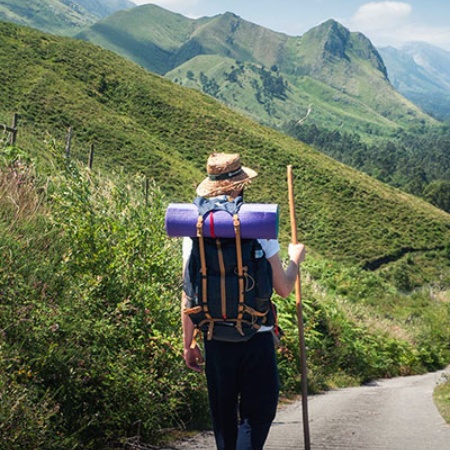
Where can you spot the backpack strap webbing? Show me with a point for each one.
(203, 271)
(240, 269)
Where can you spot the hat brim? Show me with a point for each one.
(208, 187)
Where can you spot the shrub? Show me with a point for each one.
(94, 319)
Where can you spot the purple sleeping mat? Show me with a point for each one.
(258, 221)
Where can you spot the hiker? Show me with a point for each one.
(242, 376)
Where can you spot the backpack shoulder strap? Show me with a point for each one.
(240, 270)
(203, 272)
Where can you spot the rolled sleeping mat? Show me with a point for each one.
(258, 221)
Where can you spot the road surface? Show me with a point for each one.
(392, 414)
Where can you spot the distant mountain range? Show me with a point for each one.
(421, 72)
(327, 76)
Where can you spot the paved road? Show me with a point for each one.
(394, 414)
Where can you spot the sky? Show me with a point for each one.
(383, 22)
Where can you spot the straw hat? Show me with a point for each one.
(225, 174)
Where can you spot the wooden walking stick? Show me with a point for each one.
(301, 332)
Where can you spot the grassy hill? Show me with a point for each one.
(89, 282)
(329, 87)
(57, 16)
(147, 124)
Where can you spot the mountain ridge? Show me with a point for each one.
(421, 72)
(78, 14)
(328, 67)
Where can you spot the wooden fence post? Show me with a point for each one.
(13, 129)
(68, 142)
(91, 156)
(146, 189)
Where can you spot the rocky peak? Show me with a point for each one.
(337, 43)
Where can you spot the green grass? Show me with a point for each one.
(148, 125)
(441, 397)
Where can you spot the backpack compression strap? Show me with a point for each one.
(203, 271)
(240, 269)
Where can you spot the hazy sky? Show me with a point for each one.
(383, 22)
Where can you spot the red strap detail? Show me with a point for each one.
(211, 225)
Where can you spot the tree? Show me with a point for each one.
(438, 194)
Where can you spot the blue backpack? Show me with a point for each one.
(228, 281)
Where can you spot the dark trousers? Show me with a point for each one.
(243, 387)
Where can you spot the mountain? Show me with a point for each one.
(148, 35)
(141, 122)
(329, 88)
(59, 16)
(329, 76)
(421, 72)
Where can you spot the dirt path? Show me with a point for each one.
(394, 414)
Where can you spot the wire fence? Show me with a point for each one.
(11, 132)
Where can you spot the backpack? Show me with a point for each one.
(228, 281)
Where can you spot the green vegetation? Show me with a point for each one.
(399, 160)
(90, 337)
(336, 74)
(59, 16)
(442, 399)
(90, 345)
(328, 87)
(145, 124)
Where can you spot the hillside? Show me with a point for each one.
(147, 124)
(59, 16)
(335, 77)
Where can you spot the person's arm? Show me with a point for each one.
(284, 279)
(192, 356)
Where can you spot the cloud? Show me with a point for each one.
(169, 4)
(381, 15)
(439, 36)
(390, 23)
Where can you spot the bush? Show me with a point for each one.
(358, 328)
(90, 320)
